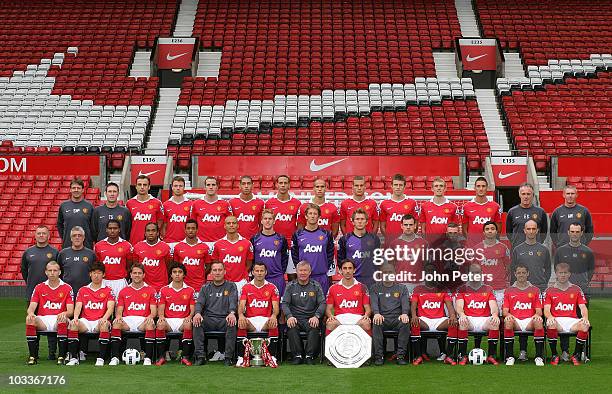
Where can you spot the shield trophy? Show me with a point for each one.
(348, 346)
(256, 343)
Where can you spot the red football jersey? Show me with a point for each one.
(194, 257)
(95, 302)
(391, 213)
(475, 215)
(52, 301)
(155, 259)
(348, 206)
(437, 217)
(348, 299)
(329, 215)
(234, 256)
(476, 301)
(259, 299)
(564, 303)
(211, 218)
(136, 302)
(495, 263)
(430, 302)
(175, 216)
(286, 214)
(248, 214)
(416, 256)
(114, 257)
(177, 303)
(522, 304)
(143, 213)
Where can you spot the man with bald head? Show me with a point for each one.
(534, 256)
(235, 252)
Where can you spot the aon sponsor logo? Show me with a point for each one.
(111, 260)
(267, 253)
(477, 304)
(211, 218)
(323, 221)
(522, 306)
(258, 304)
(94, 305)
(432, 305)
(313, 248)
(480, 220)
(178, 218)
(177, 308)
(349, 304)
(361, 254)
(150, 262)
(396, 217)
(438, 220)
(232, 259)
(137, 306)
(143, 216)
(283, 217)
(564, 307)
(191, 261)
(489, 262)
(246, 218)
(52, 305)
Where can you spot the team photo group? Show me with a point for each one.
(265, 277)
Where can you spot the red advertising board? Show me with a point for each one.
(174, 53)
(328, 165)
(478, 53)
(49, 165)
(509, 171)
(585, 166)
(152, 166)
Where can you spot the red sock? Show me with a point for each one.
(452, 331)
(415, 331)
(73, 334)
(552, 333)
(104, 335)
(187, 334)
(369, 332)
(462, 334)
(160, 334)
(583, 335)
(242, 333)
(508, 333)
(62, 329)
(538, 333)
(116, 333)
(30, 330)
(273, 332)
(150, 334)
(327, 332)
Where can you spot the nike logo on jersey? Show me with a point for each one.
(469, 58)
(170, 57)
(314, 167)
(501, 175)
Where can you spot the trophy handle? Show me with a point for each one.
(244, 341)
(267, 340)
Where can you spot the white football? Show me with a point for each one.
(131, 356)
(477, 356)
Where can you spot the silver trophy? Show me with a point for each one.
(256, 347)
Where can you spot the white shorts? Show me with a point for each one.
(478, 322)
(91, 325)
(258, 322)
(349, 318)
(50, 321)
(499, 297)
(523, 323)
(239, 286)
(116, 285)
(133, 322)
(433, 323)
(566, 323)
(175, 323)
(290, 266)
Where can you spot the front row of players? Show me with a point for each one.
(385, 306)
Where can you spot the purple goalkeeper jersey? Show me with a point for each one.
(272, 250)
(316, 247)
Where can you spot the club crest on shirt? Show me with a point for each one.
(496, 251)
(484, 293)
(119, 217)
(102, 295)
(49, 255)
(405, 206)
(253, 207)
(85, 258)
(396, 294)
(571, 295)
(276, 242)
(530, 295)
(366, 207)
(158, 252)
(150, 206)
(489, 210)
(446, 210)
(85, 210)
(266, 293)
(438, 294)
(321, 237)
(120, 249)
(200, 251)
(584, 256)
(311, 293)
(225, 292)
(579, 215)
(327, 211)
(539, 253)
(185, 296)
(291, 207)
(218, 208)
(356, 292)
(534, 216)
(144, 295)
(61, 294)
(240, 248)
(186, 208)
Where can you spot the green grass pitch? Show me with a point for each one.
(430, 377)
